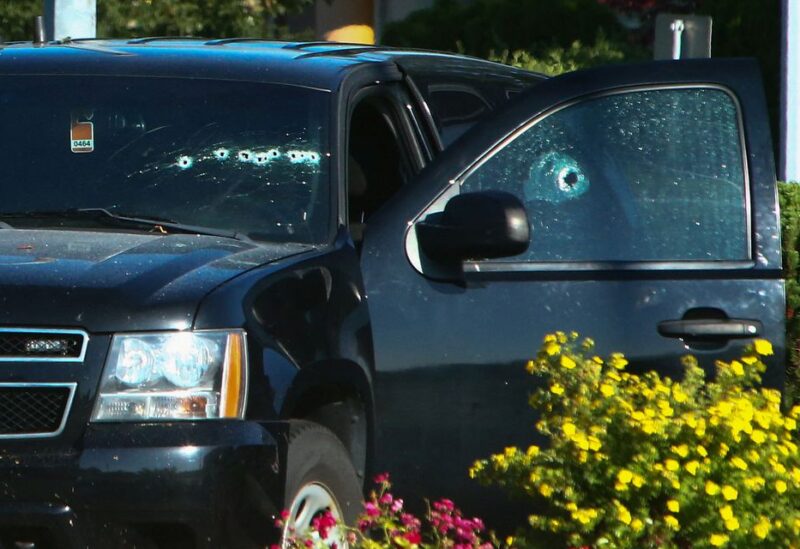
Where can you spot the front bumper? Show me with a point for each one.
(183, 484)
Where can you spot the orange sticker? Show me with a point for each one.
(82, 137)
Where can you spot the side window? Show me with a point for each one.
(378, 160)
(655, 175)
(460, 92)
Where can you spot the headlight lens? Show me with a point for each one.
(169, 376)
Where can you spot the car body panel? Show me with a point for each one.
(450, 354)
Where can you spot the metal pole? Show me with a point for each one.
(677, 27)
(70, 19)
(789, 166)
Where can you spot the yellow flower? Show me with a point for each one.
(637, 525)
(530, 366)
(729, 493)
(732, 524)
(672, 522)
(623, 514)
(702, 451)
(567, 362)
(546, 490)
(682, 450)
(624, 476)
(718, 540)
(606, 389)
(711, 488)
(551, 348)
(780, 486)
(739, 463)
(737, 368)
(510, 541)
(763, 347)
(755, 483)
(638, 481)
(678, 394)
(532, 451)
(726, 512)
(762, 528)
(673, 506)
(692, 467)
(672, 465)
(618, 361)
(758, 436)
(568, 429)
(557, 389)
(584, 516)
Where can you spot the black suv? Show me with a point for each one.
(238, 276)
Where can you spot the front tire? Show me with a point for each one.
(319, 477)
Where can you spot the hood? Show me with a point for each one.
(111, 281)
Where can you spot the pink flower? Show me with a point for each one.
(409, 520)
(447, 504)
(371, 509)
(397, 506)
(413, 537)
(386, 499)
(382, 478)
(323, 524)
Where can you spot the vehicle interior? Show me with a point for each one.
(377, 164)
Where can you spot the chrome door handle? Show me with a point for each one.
(711, 328)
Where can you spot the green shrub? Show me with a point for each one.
(482, 27)
(557, 59)
(789, 194)
(645, 461)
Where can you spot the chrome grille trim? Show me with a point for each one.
(46, 331)
(67, 407)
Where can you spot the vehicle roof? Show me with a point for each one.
(320, 65)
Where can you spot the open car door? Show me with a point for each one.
(650, 198)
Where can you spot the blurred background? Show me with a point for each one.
(549, 36)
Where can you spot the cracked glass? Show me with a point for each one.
(652, 175)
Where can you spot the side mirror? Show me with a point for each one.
(478, 225)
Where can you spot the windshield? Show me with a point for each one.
(244, 157)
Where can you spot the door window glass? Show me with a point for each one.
(652, 175)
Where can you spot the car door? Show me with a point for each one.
(650, 193)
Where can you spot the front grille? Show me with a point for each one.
(24, 344)
(33, 410)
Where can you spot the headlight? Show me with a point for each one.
(169, 376)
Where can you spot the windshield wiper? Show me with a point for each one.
(106, 217)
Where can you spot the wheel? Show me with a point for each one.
(319, 477)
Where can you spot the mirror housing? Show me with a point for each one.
(478, 225)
